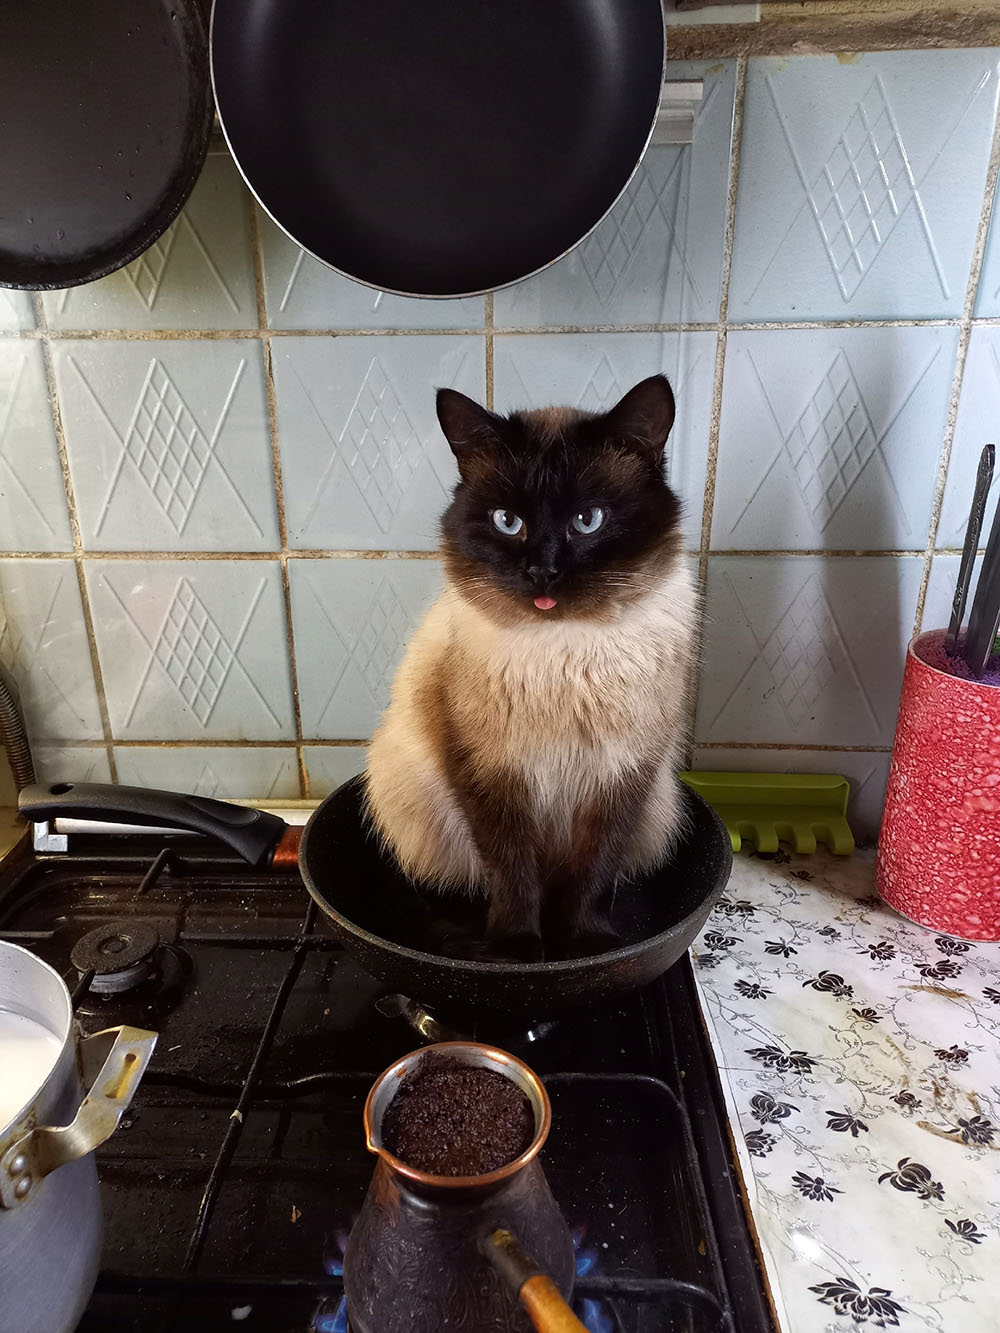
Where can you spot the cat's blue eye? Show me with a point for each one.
(506, 522)
(587, 520)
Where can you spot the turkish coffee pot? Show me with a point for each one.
(474, 1254)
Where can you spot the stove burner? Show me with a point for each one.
(120, 953)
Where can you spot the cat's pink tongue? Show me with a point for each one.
(545, 603)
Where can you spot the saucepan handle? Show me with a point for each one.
(33, 1156)
(542, 1300)
(253, 834)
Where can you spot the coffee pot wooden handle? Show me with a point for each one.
(541, 1298)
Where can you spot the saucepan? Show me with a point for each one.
(398, 930)
(50, 1212)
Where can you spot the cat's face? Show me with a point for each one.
(559, 513)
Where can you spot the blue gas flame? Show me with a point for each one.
(331, 1321)
(595, 1320)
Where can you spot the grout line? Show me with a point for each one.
(294, 554)
(200, 743)
(965, 335)
(711, 466)
(488, 320)
(769, 325)
(279, 487)
(222, 555)
(793, 745)
(74, 525)
(825, 552)
(513, 331)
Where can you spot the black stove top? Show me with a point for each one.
(230, 1187)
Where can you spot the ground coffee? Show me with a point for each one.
(452, 1119)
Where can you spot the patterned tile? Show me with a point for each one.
(866, 772)
(302, 293)
(352, 620)
(71, 763)
(594, 370)
(978, 424)
(657, 257)
(861, 184)
(364, 463)
(15, 310)
(242, 773)
(805, 650)
(830, 438)
(168, 444)
(43, 647)
(330, 766)
(33, 514)
(193, 650)
(197, 275)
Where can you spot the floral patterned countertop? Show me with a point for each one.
(860, 1059)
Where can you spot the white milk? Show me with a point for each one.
(28, 1052)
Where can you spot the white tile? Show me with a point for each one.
(830, 438)
(330, 766)
(805, 650)
(941, 589)
(364, 463)
(197, 275)
(988, 292)
(168, 444)
(43, 645)
(302, 293)
(15, 310)
(866, 772)
(33, 514)
(246, 772)
(861, 184)
(657, 257)
(71, 763)
(352, 620)
(594, 370)
(193, 650)
(978, 423)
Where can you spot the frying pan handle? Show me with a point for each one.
(541, 1298)
(253, 834)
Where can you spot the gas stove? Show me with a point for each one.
(230, 1186)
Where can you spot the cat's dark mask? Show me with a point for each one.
(559, 512)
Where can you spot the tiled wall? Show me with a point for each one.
(220, 473)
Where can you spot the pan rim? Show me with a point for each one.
(437, 296)
(475, 967)
(65, 276)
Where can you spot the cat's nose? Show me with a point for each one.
(542, 574)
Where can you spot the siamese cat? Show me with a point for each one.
(536, 726)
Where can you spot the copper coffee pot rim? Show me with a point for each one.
(489, 1057)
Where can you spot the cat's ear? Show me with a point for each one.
(643, 418)
(468, 428)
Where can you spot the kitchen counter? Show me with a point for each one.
(860, 1061)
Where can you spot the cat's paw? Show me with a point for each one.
(588, 943)
(519, 947)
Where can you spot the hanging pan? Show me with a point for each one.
(444, 148)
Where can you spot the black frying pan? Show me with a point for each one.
(395, 931)
(104, 127)
(439, 148)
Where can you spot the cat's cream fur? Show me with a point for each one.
(565, 706)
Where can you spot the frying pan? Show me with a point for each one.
(395, 930)
(441, 149)
(107, 110)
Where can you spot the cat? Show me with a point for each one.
(538, 717)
